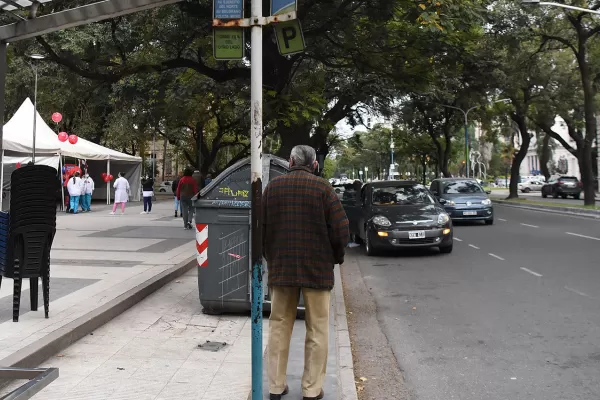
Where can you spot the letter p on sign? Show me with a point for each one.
(290, 39)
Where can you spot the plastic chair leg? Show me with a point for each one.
(33, 293)
(46, 289)
(16, 292)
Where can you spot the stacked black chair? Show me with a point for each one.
(30, 232)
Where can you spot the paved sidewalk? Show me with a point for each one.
(95, 259)
(151, 352)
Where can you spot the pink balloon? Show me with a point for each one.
(104, 175)
(110, 177)
(56, 117)
(63, 136)
(73, 139)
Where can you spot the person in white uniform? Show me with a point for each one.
(121, 193)
(75, 188)
(86, 193)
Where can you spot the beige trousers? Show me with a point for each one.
(284, 302)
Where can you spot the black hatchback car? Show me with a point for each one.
(464, 199)
(398, 214)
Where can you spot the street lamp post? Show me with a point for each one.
(586, 10)
(35, 57)
(367, 174)
(466, 115)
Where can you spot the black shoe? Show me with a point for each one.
(278, 396)
(175, 214)
(319, 397)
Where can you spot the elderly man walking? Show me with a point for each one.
(305, 233)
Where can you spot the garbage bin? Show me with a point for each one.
(223, 238)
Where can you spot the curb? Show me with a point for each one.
(345, 375)
(46, 347)
(594, 214)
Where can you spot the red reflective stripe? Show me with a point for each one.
(201, 246)
(204, 264)
(200, 227)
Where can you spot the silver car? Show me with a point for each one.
(533, 185)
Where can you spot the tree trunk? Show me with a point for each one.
(545, 156)
(520, 156)
(587, 171)
(292, 136)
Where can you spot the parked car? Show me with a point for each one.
(397, 214)
(165, 187)
(464, 199)
(532, 185)
(563, 186)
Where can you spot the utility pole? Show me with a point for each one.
(256, 75)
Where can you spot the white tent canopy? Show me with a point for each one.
(18, 147)
(18, 137)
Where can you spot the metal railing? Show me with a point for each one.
(38, 379)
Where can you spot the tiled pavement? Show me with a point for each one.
(95, 258)
(151, 352)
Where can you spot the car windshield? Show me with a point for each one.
(461, 187)
(568, 179)
(401, 195)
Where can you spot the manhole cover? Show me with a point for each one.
(212, 346)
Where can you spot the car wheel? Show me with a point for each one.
(162, 190)
(555, 195)
(354, 238)
(489, 221)
(577, 196)
(370, 249)
(446, 249)
(526, 190)
(544, 195)
(564, 196)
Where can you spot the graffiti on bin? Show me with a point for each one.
(234, 193)
(231, 203)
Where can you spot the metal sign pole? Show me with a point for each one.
(256, 73)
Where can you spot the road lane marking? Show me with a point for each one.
(578, 292)
(531, 226)
(457, 239)
(582, 236)
(475, 247)
(495, 256)
(531, 272)
(501, 219)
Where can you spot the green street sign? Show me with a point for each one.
(290, 38)
(228, 43)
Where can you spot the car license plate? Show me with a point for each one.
(469, 213)
(416, 235)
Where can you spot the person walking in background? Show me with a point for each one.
(208, 179)
(186, 190)
(197, 175)
(86, 195)
(75, 188)
(121, 193)
(147, 192)
(174, 186)
(305, 233)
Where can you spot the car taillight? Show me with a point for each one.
(560, 183)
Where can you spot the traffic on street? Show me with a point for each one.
(512, 313)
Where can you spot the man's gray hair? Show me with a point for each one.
(303, 156)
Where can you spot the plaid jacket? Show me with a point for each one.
(305, 230)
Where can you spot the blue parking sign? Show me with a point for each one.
(228, 9)
(279, 7)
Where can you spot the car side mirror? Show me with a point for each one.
(442, 201)
(488, 191)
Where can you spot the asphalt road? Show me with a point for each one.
(512, 313)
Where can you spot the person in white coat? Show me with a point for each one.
(86, 194)
(75, 187)
(121, 193)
